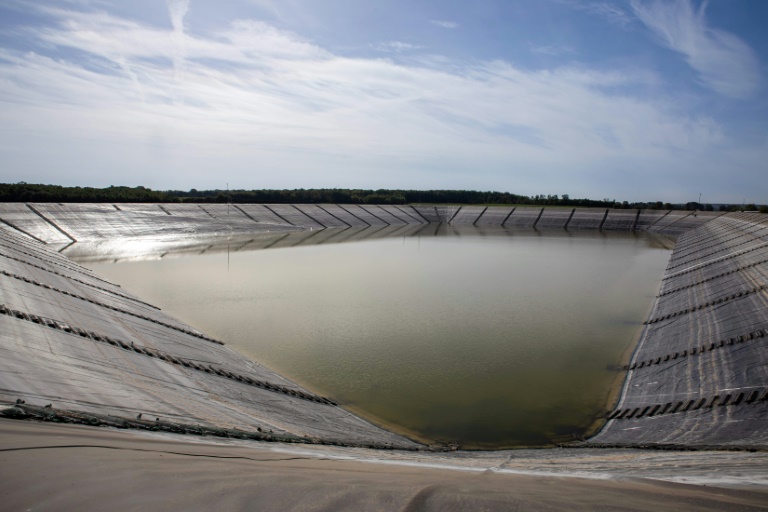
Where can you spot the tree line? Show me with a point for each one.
(38, 193)
(380, 196)
(25, 192)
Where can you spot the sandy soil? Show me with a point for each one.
(68, 467)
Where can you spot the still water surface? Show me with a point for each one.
(488, 341)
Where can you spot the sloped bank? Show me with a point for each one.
(699, 374)
(89, 349)
(697, 378)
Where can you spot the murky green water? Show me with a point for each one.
(488, 341)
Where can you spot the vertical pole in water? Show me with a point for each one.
(570, 217)
(227, 198)
(603, 221)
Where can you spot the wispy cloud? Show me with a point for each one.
(723, 62)
(552, 50)
(396, 47)
(610, 12)
(444, 23)
(606, 10)
(177, 9)
(278, 110)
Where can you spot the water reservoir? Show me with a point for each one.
(487, 338)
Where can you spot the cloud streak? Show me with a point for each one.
(445, 24)
(723, 62)
(177, 9)
(551, 50)
(606, 10)
(396, 47)
(609, 12)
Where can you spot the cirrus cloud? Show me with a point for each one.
(445, 24)
(724, 62)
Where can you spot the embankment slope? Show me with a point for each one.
(698, 377)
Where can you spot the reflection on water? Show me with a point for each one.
(492, 341)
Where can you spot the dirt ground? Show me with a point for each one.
(69, 467)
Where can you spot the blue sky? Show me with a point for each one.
(636, 100)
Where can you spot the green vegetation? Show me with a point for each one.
(380, 196)
(25, 192)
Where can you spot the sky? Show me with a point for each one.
(638, 100)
